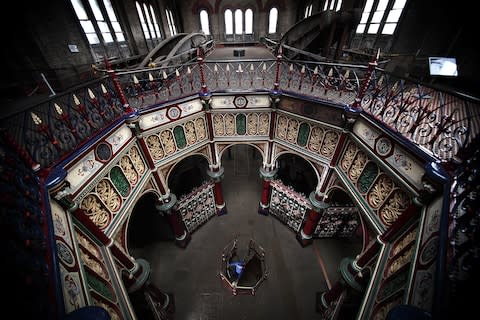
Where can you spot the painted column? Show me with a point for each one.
(139, 282)
(351, 276)
(216, 173)
(319, 205)
(267, 175)
(167, 207)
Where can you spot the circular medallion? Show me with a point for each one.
(383, 146)
(173, 113)
(65, 254)
(103, 151)
(240, 102)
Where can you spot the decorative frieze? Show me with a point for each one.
(313, 138)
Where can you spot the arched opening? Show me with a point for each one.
(146, 225)
(296, 172)
(188, 174)
(241, 163)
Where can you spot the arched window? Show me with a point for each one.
(171, 22)
(204, 22)
(272, 20)
(155, 23)
(249, 21)
(228, 22)
(238, 21)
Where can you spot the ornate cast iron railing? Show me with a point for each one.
(52, 129)
(439, 123)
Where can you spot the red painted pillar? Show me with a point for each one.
(267, 175)
(319, 204)
(217, 174)
(167, 207)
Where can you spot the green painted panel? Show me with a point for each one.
(367, 177)
(120, 181)
(303, 133)
(100, 287)
(241, 124)
(179, 135)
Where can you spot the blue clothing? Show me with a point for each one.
(238, 267)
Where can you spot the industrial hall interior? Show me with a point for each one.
(240, 160)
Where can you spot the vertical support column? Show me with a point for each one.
(352, 277)
(140, 285)
(267, 174)
(319, 205)
(366, 82)
(276, 84)
(216, 170)
(167, 208)
(118, 88)
(216, 173)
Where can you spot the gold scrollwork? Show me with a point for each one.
(155, 147)
(96, 211)
(127, 166)
(137, 160)
(396, 204)
(380, 191)
(348, 156)
(108, 195)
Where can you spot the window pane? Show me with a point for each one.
(92, 38)
(155, 23)
(272, 20)
(103, 26)
(325, 6)
(119, 36)
(382, 5)
(79, 10)
(116, 27)
(228, 21)
(377, 16)
(107, 37)
(360, 28)
(87, 26)
(389, 28)
(139, 11)
(332, 3)
(339, 5)
(147, 34)
(96, 10)
(238, 21)
(110, 12)
(172, 21)
(249, 21)
(373, 28)
(368, 6)
(204, 22)
(364, 17)
(399, 4)
(394, 15)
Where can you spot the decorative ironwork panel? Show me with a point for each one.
(287, 205)
(197, 207)
(338, 222)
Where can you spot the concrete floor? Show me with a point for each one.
(295, 274)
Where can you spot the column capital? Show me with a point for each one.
(347, 271)
(142, 268)
(268, 174)
(216, 175)
(167, 204)
(317, 203)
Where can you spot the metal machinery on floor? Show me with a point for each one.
(243, 273)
